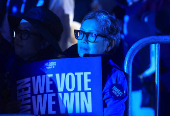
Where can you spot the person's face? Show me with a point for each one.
(28, 47)
(85, 47)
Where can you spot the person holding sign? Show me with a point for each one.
(98, 36)
(36, 36)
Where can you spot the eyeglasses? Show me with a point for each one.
(24, 34)
(91, 37)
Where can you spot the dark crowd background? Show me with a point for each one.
(137, 19)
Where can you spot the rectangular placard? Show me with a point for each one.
(66, 87)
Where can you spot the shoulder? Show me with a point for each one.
(71, 52)
(115, 71)
(116, 75)
(116, 79)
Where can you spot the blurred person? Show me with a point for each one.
(36, 36)
(99, 35)
(134, 13)
(116, 7)
(17, 7)
(160, 24)
(64, 9)
(135, 29)
(82, 7)
(107, 5)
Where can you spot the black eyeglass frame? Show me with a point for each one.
(87, 35)
(19, 31)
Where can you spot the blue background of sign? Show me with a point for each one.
(67, 65)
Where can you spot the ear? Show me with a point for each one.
(110, 45)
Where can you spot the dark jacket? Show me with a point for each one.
(111, 74)
(9, 60)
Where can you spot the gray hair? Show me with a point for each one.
(107, 23)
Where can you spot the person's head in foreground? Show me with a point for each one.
(99, 33)
(38, 29)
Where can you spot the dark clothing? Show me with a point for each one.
(116, 55)
(136, 30)
(165, 65)
(71, 52)
(9, 60)
(82, 7)
(111, 74)
(164, 71)
(2, 10)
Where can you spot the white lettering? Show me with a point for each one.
(60, 86)
(79, 74)
(86, 81)
(38, 83)
(68, 101)
(86, 102)
(50, 102)
(77, 102)
(48, 82)
(71, 75)
(40, 103)
(62, 106)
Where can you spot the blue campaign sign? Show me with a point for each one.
(66, 87)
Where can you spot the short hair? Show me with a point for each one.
(108, 23)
